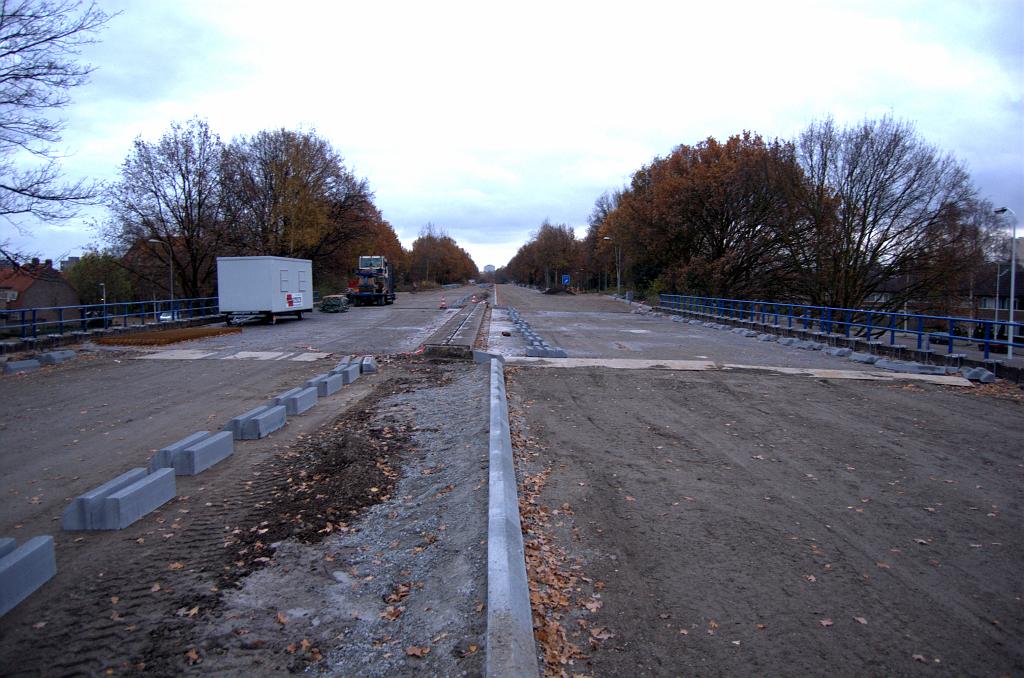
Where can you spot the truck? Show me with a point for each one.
(264, 288)
(374, 283)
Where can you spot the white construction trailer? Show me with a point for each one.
(264, 288)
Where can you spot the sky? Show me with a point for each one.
(486, 119)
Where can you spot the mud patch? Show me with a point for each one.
(165, 337)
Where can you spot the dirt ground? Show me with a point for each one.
(742, 523)
(359, 549)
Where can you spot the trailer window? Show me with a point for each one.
(302, 281)
(284, 280)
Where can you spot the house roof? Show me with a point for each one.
(20, 279)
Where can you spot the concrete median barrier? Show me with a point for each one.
(164, 457)
(55, 357)
(263, 423)
(201, 455)
(326, 384)
(298, 400)
(350, 374)
(15, 366)
(368, 365)
(121, 501)
(24, 569)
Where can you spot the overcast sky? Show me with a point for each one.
(487, 118)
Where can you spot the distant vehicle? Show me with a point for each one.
(264, 288)
(374, 283)
(168, 316)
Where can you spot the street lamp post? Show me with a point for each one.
(170, 259)
(1013, 278)
(618, 266)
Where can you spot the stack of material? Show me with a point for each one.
(335, 303)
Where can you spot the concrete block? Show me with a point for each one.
(341, 365)
(299, 400)
(25, 569)
(749, 334)
(266, 420)
(164, 457)
(15, 366)
(7, 545)
(350, 374)
(787, 341)
(201, 455)
(839, 352)
(85, 511)
(329, 385)
(124, 507)
(767, 337)
(282, 397)
(485, 358)
(910, 367)
(368, 365)
(312, 383)
(978, 374)
(710, 325)
(866, 358)
(54, 357)
(238, 423)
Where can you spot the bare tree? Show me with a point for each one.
(169, 191)
(39, 45)
(877, 203)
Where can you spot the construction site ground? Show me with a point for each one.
(749, 522)
(711, 520)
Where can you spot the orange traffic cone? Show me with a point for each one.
(444, 304)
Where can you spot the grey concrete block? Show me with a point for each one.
(54, 357)
(201, 455)
(350, 374)
(978, 374)
(910, 367)
(266, 420)
(839, 352)
(25, 569)
(866, 358)
(329, 385)
(368, 365)
(302, 399)
(85, 511)
(164, 457)
(312, 383)
(749, 334)
(767, 337)
(7, 544)
(238, 423)
(341, 365)
(787, 341)
(127, 505)
(282, 397)
(15, 366)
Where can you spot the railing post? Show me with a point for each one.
(892, 329)
(920, 331)
(870, 326)
(35, 329)
(952, 326)
(60, 320)
(988, 336)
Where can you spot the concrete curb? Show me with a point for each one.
(510, 646)
(25, 569)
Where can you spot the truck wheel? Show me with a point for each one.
(298, 315)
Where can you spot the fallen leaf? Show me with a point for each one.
(114, 600)
(39, 625)
(629, 498)
(175, 566)
(923, 542)
(684, 632)
(919, 658)
(470, 650)
(154, 588)
(281, 619)
(601, 633)
(593, 605)
(417, 651)
(392, 612)
(192, 656)
(304, 645)
(860, 620)
(811, 578)
(884, 566)
(761, 627)
(825, 622)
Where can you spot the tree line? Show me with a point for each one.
(829, 218)
(192, 197)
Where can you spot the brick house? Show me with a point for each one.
(34, 285)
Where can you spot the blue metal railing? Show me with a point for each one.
(989, 335)
(30, 322)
